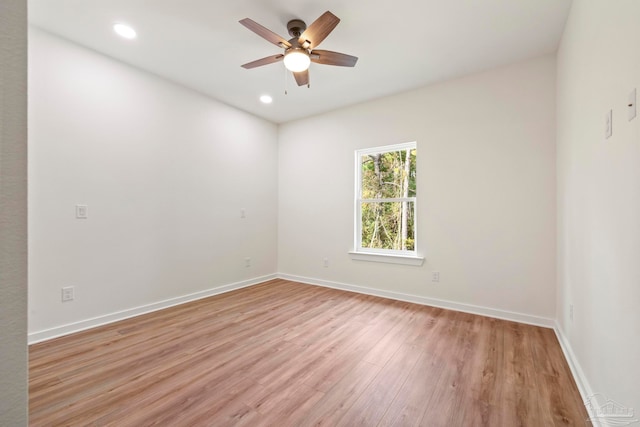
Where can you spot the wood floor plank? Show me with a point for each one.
(411, 402)
(387, 346)
(283, 353)
(341, 396)
(451, 404)
(520, 394)
(373, 403)
(558, 399)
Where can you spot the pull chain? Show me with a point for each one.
(286, 80)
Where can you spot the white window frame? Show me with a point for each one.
(409, 257)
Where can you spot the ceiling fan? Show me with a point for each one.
(301, 50)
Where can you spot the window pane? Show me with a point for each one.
(389, 175)
(388, 225)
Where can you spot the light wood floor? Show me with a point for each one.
(283, 353)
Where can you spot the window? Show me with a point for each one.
(385, 205)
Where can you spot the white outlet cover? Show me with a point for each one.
(67, 294)
(631, 105)
(608, 130)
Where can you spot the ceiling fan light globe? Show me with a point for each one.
(297, 60)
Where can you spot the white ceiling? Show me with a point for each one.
(401, 44)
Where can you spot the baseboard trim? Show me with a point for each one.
(576, 370)
(433, 302)
(58, 331)
(82, 325)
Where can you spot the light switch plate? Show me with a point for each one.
(82, 211)
(608, 124)
(631, 105)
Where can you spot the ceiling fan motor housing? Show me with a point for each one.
(296, 27)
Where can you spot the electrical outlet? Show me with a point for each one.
(571, 312)
(247, 262)
(435, 276)
(243, 213)
(67, 294)
(608, 129)
(326, 262)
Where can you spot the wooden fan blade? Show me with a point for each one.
(302, 78)
(265, 33)
(328, 57)
(264, 61)
(319, 30)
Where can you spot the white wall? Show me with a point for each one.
(599, 196)
(486, 188)
(164, 172)
(13, 213)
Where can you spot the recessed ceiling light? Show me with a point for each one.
(123, 30)
(266, 99)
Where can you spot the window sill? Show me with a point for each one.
(386, 258)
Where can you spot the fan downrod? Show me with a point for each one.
(296, 27)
